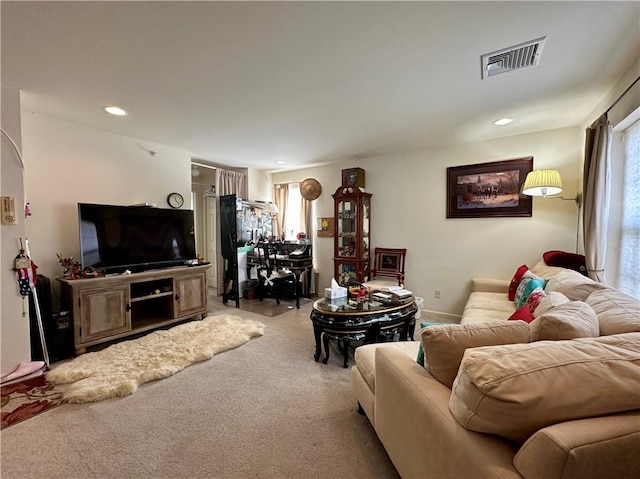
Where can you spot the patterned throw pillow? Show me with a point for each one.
(525, 313)
(515, 281)
(528, 284)
(534, 298)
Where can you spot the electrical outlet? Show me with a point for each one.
(437, 293)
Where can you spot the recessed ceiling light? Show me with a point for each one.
(280, 162)
(114, 110)
(503, 121)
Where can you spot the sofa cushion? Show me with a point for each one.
(364, 357)
(601, 446)
(545, 271)
(515, 281)
(550, 300)
(445, 345)
(617, 312)
(573, 285)
(490, 301)
(420, 357)
(481, 316)
(515, 390)
(571, 320)
(487, 307)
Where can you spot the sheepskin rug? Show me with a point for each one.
(119, 369)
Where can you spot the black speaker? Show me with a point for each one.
(58, 327)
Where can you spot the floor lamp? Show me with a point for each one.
(546, 183)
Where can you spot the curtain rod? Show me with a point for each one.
(621, 96)
(195, 163)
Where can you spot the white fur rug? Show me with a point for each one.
(120, 368)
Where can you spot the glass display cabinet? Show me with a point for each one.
(351, 256)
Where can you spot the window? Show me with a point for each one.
(293, 224)
(629, 263)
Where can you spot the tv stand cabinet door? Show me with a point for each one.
(190, 295)
(103, 312)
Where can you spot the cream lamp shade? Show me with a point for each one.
(542, 183)
(271, 209)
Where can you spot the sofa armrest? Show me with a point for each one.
(422, 438)
(487, 285)
(605, 446)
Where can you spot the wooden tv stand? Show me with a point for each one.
(112, 307)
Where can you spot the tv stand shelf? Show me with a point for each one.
(113, 307)
(151, 296)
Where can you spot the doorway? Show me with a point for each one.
(203, 199)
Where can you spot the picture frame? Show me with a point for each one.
(486, 190)
(325, 227)
(353, 177)
(389, 263)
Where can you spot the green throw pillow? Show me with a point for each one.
(420, 358)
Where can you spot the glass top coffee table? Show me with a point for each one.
(370, 321)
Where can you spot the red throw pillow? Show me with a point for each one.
(522, 314)
(515, 281)
(576, 262)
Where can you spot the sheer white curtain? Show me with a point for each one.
(597, 187)
(280, 198)
(629, 265)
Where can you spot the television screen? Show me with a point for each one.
(116, 238)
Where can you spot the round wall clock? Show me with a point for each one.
(175, 200)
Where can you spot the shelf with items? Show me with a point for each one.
(352, 211)
(146, 290)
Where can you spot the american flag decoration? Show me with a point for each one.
(25, 273)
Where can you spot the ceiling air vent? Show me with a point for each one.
(513, 58)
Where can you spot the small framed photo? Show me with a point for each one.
(489, 189)
(325, 227)
(389, 262)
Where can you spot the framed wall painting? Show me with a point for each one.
(489, 189)
(325, 227)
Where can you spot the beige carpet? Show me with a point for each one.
(119, 369)
(264, 410)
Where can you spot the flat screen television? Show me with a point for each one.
(138, 238)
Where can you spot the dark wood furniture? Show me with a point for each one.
(351, 256)
(370, 321)
(276, 257)
(113, 307)
(229, 249)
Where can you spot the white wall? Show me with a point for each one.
(14, 327)
(409, 211)
(67, 164)
(259, 185)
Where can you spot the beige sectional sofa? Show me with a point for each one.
(558, 397)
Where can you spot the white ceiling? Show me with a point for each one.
(247, 83)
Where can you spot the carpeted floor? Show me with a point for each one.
(265, 410)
